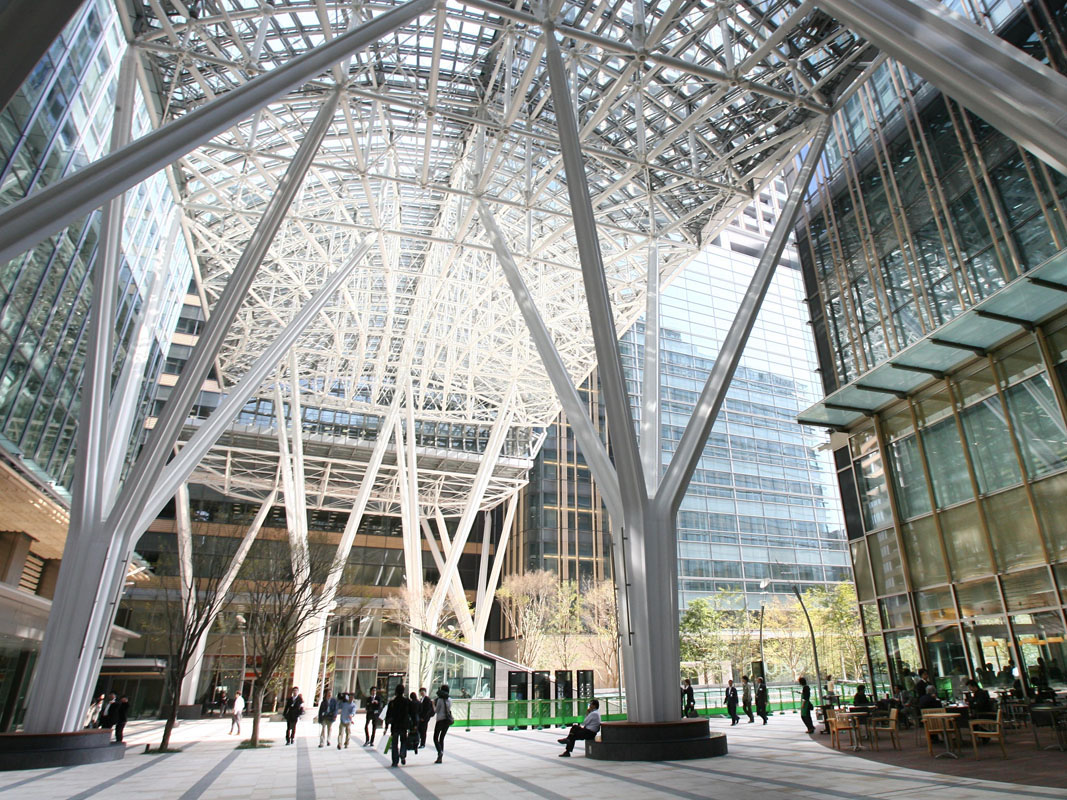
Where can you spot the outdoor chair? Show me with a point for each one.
(934, 726)
(988, 729)
(838, 724)
(1048, 717)
(889, 725)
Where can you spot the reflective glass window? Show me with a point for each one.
(925, 560)
(979, 598)
(935, 606)
(896, 612)
(968, 553)
(1039, 426)
(874, 497)
(1013, 529)
(1042, 648)
(990, 646)
(872, 622)
(1030, 589)
(886, 564)
(948, 470)
(878, 680)
(944, 650)
(1049, 497)
(902, 651)
(909, 478)
(861, 566)
(990, 445)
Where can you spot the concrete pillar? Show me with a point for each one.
(14, 547)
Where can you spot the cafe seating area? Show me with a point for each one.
(1015, 739)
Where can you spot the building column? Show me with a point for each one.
(14, 548)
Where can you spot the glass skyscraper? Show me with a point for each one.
(762, 504)
(933, 254)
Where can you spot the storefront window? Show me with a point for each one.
(989, 645)
(903, 655)
(1042, 648)
(944, 649)
(968, 553)
(923, 550)
(1013, 529)
(909, 477)
(878, 680)
(990, 445)
(885, 563)
(948, 470)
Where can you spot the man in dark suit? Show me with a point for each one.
(761, 699)
(746, 697)
(731, 702)
(426, 713)
(119, 713)
(689, 704)
(294, 709)
(107, 711)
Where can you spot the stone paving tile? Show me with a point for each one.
(765, 763)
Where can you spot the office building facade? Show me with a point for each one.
(933, 255)
(763, 504)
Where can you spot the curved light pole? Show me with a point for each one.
(814, 649)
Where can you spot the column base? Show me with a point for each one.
(656, 741)
(20, 751)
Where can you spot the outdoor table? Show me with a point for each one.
(860, 716)
(950, 719)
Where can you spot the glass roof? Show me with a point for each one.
(685, 110)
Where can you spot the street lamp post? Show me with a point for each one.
(762, 607)
(814, 649)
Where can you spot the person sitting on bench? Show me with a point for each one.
(589, 728)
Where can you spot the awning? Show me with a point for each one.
(1022, 304)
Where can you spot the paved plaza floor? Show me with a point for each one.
(774, 761)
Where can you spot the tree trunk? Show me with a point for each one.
(257, 710)
(172, 712)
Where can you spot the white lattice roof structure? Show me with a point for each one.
(685, 110)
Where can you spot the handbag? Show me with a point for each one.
(385, 743)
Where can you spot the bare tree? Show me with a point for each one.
(600, 616)
(530, 602)
(566, 625)
(281, 598)
(407, 608)
(191, 604)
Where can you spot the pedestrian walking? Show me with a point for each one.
(107, 711)
(92, 716)
(346, 711)
(236, 713)
(293, 711)
(731, 702)
(689, 703)
(746, 698)
(805, 704)
(119, 713)
(327, 716)
(374, 717)
(444, 719)
(761, 699)
(398, 719)
(415, 710)
(426, 713)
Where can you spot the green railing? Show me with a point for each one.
(549, 713)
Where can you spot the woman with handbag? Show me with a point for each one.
(444, 719)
